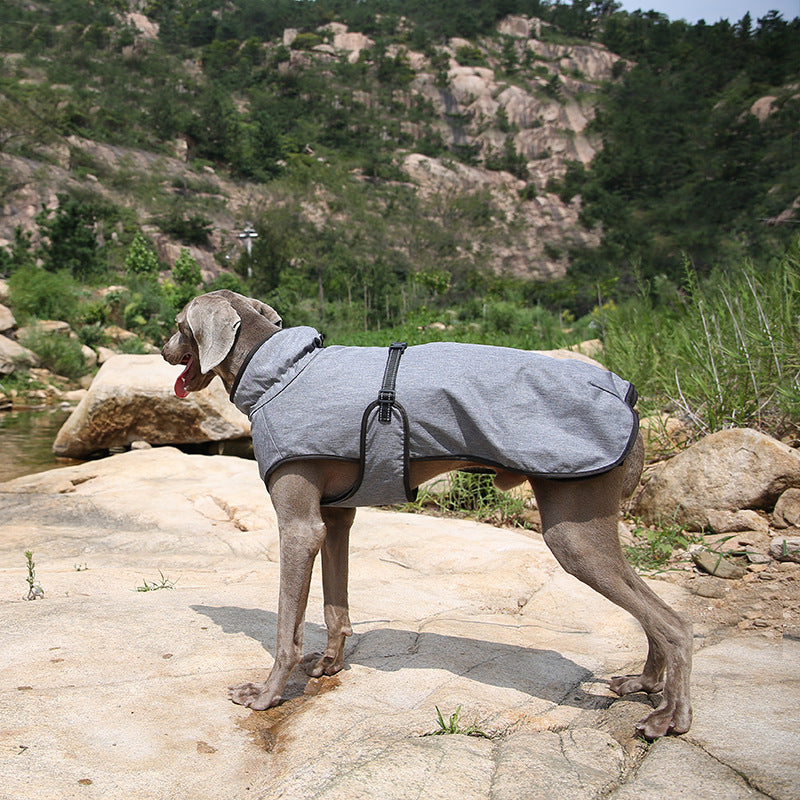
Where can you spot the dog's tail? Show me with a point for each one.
(633, 466)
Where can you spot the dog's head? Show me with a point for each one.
(208, 329)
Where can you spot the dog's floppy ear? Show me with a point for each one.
(214, 323)
(266, 311)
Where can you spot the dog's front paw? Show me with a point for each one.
(315, 665)
(253, 695)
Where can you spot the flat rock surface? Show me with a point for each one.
(106, 691)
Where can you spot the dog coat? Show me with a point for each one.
(510, 409)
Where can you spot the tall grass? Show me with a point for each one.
(725, 352)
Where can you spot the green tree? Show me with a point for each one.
(141, 259)
(69, 241)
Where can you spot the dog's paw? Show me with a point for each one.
(315, 665)
(664, 720)
(253, 695)
(630, 684)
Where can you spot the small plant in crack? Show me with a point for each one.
(35, 591)
(454, 726)
(153, 586)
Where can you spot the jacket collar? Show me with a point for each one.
(272, 365)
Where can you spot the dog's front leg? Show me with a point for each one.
(296, 499)
(334, 586)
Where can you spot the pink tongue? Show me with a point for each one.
(180, 384)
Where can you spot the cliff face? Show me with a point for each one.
(508, 112)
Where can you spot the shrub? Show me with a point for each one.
(38, 294)
(141, 258)
(58, 353)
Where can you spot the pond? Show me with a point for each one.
(26, 441)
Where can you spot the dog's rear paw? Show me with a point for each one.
(663, 721)
(316, 665)
(253, 695)
(630, 684)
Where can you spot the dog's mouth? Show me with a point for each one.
(181, 387)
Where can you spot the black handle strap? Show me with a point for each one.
(387, 393)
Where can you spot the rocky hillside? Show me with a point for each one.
(496, 118)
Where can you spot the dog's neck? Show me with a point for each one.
(252, 333)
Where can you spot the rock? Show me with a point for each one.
(715, 564)
(786, 548)
(729, 470)
(13, 354)
(662, 433)
(591, 348)
(132, 398)
(736, 521)
(47, 327)
(75, 396)
(437, 623)
(787, 509)
(4, 292)
(89, 355)
(711, 587)
(117, 334)
(7, 321)
(104, 353)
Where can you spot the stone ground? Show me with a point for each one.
(106, 691)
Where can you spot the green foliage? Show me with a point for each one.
(187, 278)
(141, 259)
(652, 548)
(473, 495)
(58, 353)
(724, 351)
(71, 242)
(454, 726)
(694, 170)
(189, 229)
(38, 294)
(35, 591)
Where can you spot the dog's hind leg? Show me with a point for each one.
(579, 522)
(334, 586)
(296, 499)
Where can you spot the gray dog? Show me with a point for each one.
(338, 427)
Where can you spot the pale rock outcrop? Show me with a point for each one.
(113, 692)
(7, 321)
(132, 398)
(729, 470)
(519, 27)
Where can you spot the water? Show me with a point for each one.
(26, 441)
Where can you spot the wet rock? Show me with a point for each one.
(132, 398)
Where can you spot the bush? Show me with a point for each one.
(141, 258)
(59, 353)
(38, 294)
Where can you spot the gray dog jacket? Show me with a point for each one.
(510, 409)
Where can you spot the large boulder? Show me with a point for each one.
(132, 399)
(728, 471)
